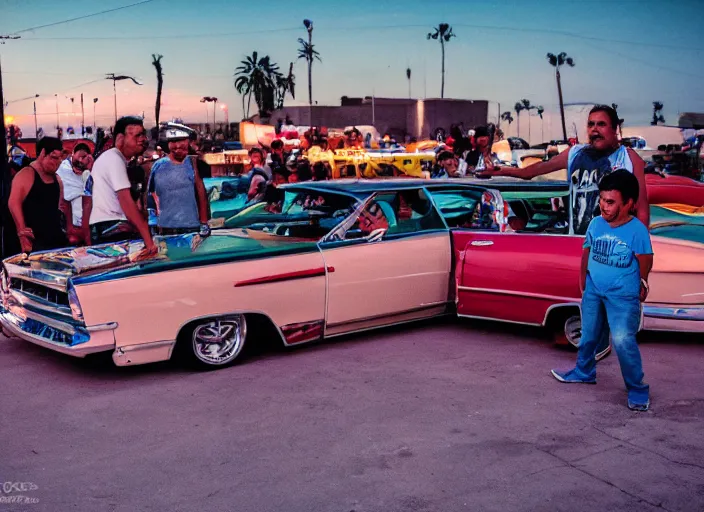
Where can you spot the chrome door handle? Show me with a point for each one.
(481, 243)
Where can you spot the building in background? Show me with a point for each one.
(399, 117)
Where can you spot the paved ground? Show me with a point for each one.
(440, 416)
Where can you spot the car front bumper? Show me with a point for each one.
(57, 335)
(663, 317)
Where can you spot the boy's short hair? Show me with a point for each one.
(49, 145)
(624, 181)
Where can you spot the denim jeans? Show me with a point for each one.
(622, 316)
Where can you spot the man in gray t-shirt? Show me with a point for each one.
(182, 204)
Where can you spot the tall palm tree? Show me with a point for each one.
(557, 61)
(620, 121)
(506, 116)
(540, 110)
(308, 52)
(443, 33)
(527, 107)
(408, 77)
(518, 107)
(285, 84)
(156, 62)
(657, 113)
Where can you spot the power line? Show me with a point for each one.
(82, 17)
(369, 27)
(175, 36)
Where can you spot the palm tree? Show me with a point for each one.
(657, 113)
(540, 110)
(408, 77)
(506, 116)
(285, 84)
(156, 62)
(620, 121)
(527, 107)
(558, 61)
(308, 52)
(261, 78)
(518, 107)
(443, 33)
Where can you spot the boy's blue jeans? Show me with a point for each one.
(622, 314)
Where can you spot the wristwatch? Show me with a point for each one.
(204, 230)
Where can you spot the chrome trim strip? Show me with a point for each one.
(78, 351)
(108, 326)
(28, 299)
(516, 293)
(47, 278)
(674, 312)
(385, 315)
(144, 346)
(578, 305)
(475, 317)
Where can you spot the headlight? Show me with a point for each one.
(76, 310)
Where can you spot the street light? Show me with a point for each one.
(214, 101)
(115, 78)
(223, 107)
(95, 100)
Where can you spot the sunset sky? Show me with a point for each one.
(627, 52)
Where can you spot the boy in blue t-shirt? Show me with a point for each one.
(616, 260)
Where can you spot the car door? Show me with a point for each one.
(505, 272)
(390, 264)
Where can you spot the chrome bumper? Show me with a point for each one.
(55, 334)
(673, 318)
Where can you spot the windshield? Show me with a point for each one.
(295, 214)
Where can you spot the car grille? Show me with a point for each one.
(40, 291)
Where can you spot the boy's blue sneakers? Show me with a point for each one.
(636, 406)
(573, 377)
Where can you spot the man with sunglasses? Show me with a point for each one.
(586, 165)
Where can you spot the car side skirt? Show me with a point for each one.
(375, 322)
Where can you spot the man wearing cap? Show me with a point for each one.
(178, 189)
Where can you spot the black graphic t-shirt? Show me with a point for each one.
(586, 168)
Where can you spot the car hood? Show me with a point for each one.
(674, 223)
(125, 259)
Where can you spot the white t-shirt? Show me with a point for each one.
(109, 176)
(74, 187)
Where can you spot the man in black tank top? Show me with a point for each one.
(34, 200)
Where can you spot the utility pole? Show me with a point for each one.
(58, 123)
(83, 118)
(36, 128)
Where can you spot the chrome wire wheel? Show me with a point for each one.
(573, 330)
(219, 342)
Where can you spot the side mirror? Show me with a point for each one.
(376, 235)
